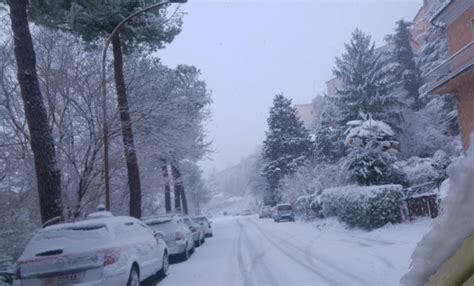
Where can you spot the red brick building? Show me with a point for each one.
(457, 72)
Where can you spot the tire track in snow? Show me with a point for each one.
(322, 262)
(297, 260)
(245, 274)
(256, 258)
(380, 258)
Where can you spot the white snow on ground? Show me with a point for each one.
(451, 228)
(250, 251)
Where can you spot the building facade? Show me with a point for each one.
(456, 74)
(420, 25)
(305, 113)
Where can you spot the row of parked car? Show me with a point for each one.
(279, 212)
(109, 250)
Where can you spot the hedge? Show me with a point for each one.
(364, 207)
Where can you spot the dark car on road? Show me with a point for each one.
(283, 212)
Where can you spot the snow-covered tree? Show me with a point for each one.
(48, 175)
(196, 188)
(435, 125)
(95, 20)
(372, 153)
(171, 103)
(329, 135)
(287, 145)
(406, 68)
(366, 83)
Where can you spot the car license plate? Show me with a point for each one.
(63, 280)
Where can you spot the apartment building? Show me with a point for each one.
(456, 74)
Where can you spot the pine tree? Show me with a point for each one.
(287, 143)
(329, 136)
(406, 71)
(367, 84)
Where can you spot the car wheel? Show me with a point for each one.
(203, 239)
(164, 267)
(210, 235)
(134, 278)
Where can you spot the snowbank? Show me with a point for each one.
(450, 229)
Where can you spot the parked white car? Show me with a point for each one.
(196, 229)
(176, 234)
(202, 220)
(102, 251)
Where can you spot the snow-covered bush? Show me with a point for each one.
(371, 134)
(427, 130)
(373, 150)
(308, 207)
(364, 207)
(422, 170)
(369, 167)
(310, 179)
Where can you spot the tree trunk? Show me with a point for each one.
(48, 176)
(184, 201)
(164, 171)
(127, 132)
(177, 198)
(179, 188)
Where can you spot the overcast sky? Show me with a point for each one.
(248, 51)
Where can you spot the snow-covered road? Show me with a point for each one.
(250, 251)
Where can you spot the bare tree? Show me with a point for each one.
(41, 140)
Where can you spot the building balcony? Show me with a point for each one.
(449, 74)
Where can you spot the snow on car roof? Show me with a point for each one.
(98, 222)
(159, 220)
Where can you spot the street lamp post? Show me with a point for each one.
(104, 91)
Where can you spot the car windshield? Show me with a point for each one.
(272, 142)
(285, 208)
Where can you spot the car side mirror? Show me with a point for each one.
(159, 235)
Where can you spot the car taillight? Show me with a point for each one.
(111, 256)
(18, 271)
(179, 235)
